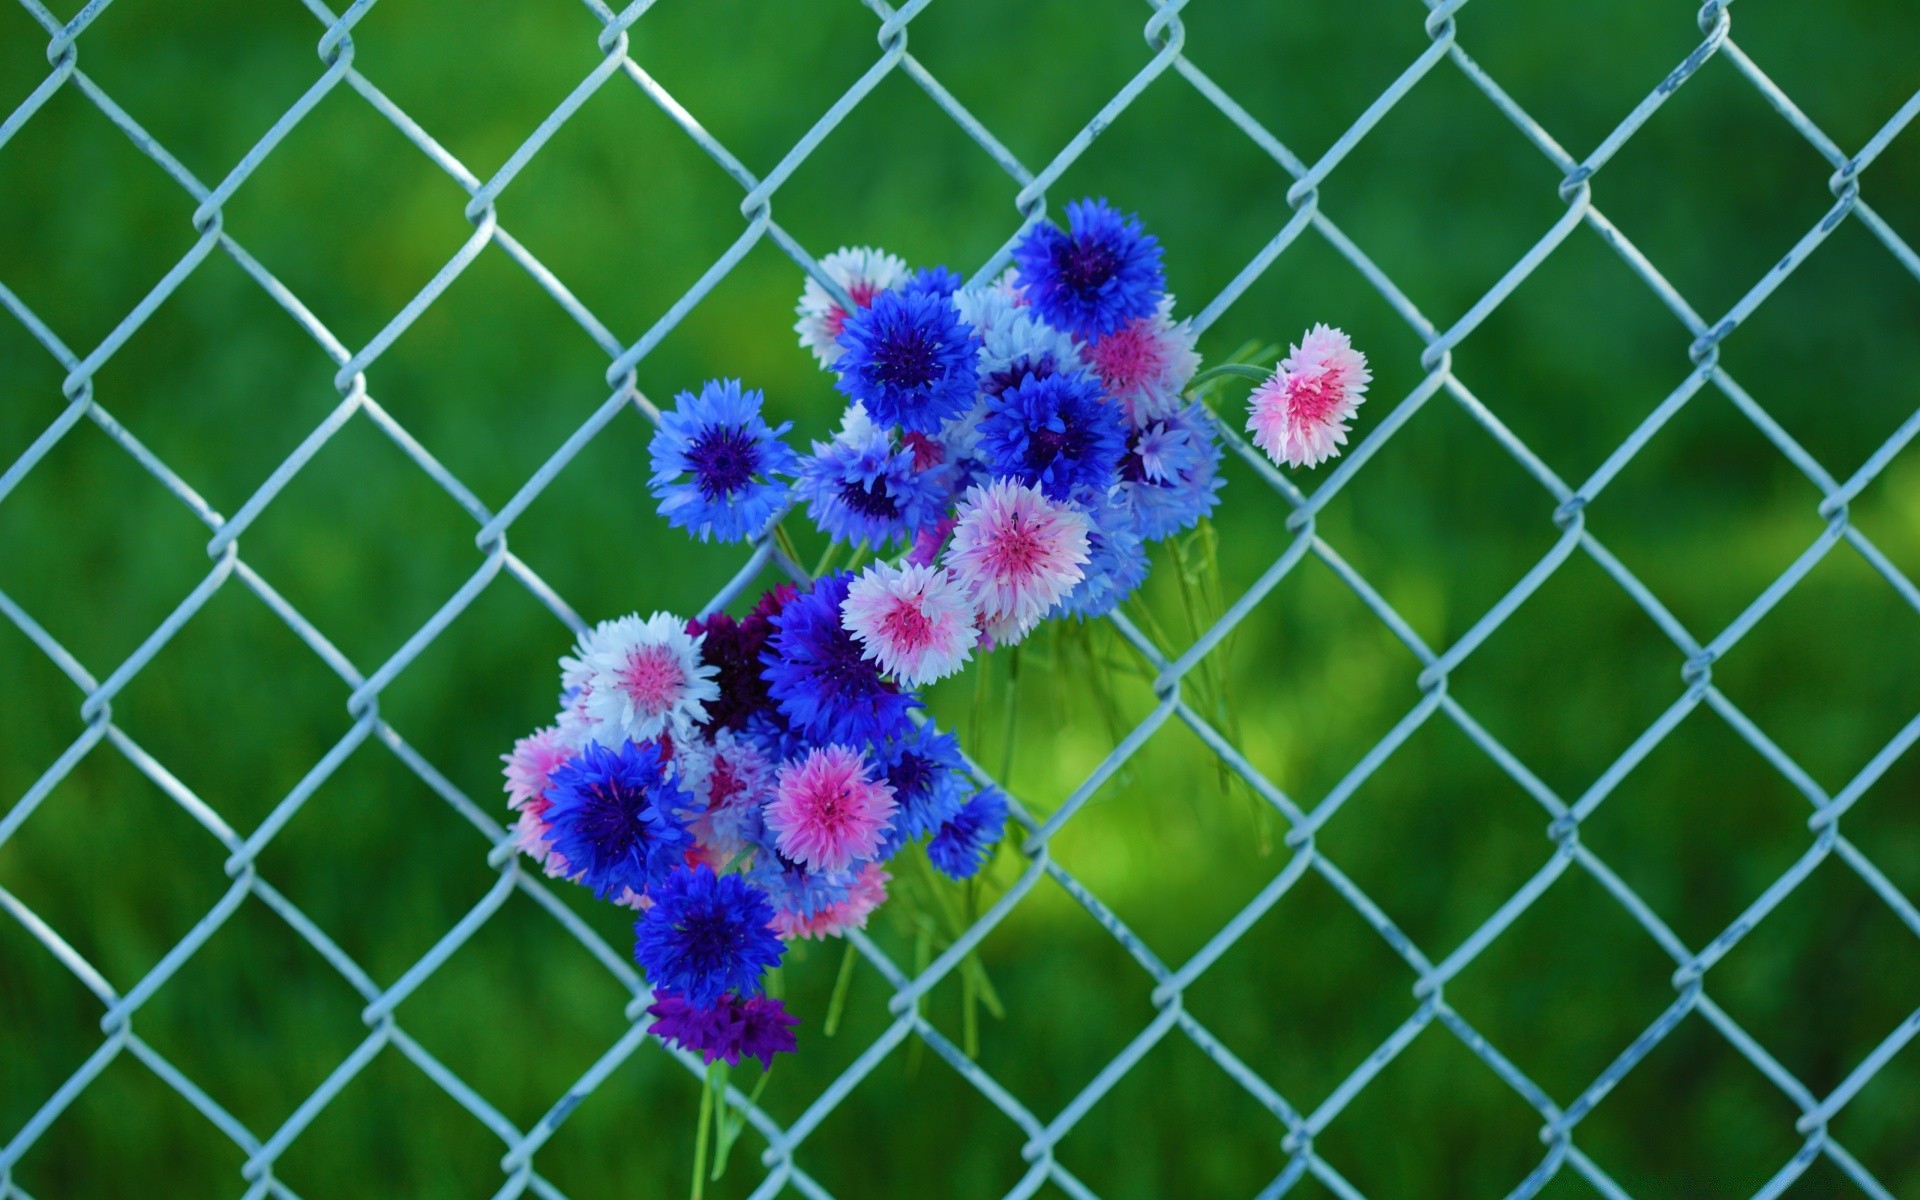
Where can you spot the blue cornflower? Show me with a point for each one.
(733, 456)
(1117, 561)
(771, 734)
(909, 359)
(862, 487)
(924, 768)
(933, 281)
(1170, 474)
(706, 935)
(614, 818)
(965, 843)
(819, 678)
(1094, 277)
(1056, 433)
(793, 887)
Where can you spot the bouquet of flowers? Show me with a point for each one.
(1006, 453)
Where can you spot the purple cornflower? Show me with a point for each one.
(613, 817)
(733, 648)
(965, 843)
(729, 1030)
(705, 935)
(1057, 433)
(909, 358)
(733, 457)
(863, 488)
(1095, 276)
(818, 677)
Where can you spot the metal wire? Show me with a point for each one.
(1296, 1126)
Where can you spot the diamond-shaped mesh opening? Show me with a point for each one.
(1463, 1131)
(138, 560)
(1772, 674)
(127, 1116)
(1723, 1125)
(1278, 1022)
(257, 987)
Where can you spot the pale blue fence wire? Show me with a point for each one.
(1297, 1121)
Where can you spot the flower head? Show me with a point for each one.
(1013, 340)
(1116, 560)
(909, 359)
(1146, 362)
(643, 678)
(1092, 278)
(705, 935)
(732, 648)
(614, 817)
(730, 780)
(819, 677)
(914, 621)
(797, 891)
(731, 1029)
(827, 812)
(926, 773)
(863, 488)
(933, 281)
(862, 273)
(733, 458)
(529, 771)
(965, 843)
(868, 891)
(1299, 416)
(1057, 433)
(1017, 553)
(1170, 475)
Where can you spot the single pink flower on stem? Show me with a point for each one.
(1017, 553)
(827, 811)
(915, 621)
(1299, 416)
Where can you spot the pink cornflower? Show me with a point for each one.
(529, 772)
(1299, 416)
(645, 678)
(1017, 553)
(869, 890)
(1145, 363)
(730, 780)
(862, 273)
(915, 621)
(827, 811)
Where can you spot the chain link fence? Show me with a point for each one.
(783, 1153)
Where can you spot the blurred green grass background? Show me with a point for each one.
(623, 207)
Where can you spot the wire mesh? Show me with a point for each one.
(1296, 1121)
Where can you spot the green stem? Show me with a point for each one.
(840, 986)
(1241, 370)
(730, 1127)
(922, 958)
(785, 542)
(1013, 708)
(826, 559)
(970, 995)
(700, 1139)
